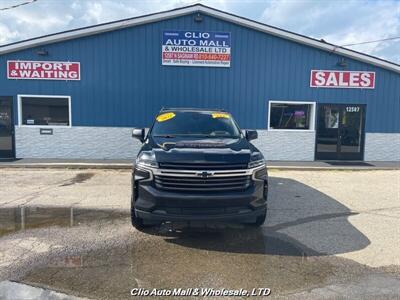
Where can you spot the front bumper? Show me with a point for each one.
(157, 216)
(154, 204)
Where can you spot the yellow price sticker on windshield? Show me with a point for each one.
(220, 115)
(165, 117)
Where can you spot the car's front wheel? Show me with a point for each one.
(137, 222)
(260, 219)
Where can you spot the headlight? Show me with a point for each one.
(147, 159)
(256, 163)
(256, 160)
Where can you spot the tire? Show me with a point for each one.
(137, 222)
(260, 219)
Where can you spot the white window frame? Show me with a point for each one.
(44, 96)
(312, 114)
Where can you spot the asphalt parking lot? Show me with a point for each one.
(331, 234)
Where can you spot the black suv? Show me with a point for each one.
(197, 165)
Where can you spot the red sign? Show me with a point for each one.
(342, 79)
(196, 56)
(48, 70)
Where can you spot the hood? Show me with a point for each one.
(200, 150)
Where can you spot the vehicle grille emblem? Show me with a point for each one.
(205, 174)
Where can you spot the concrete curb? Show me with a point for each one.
(300, 168)
(126, 166)
(66, 166)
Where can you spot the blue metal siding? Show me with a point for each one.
(124, 84)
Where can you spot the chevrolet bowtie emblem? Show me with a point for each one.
(205, 174)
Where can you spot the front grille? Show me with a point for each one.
(207, 166)
(211, 184)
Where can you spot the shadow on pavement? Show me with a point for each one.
(301, 221)
(290, 252)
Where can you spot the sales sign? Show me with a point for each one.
(48, 70)
(342, 79)
(196, 48)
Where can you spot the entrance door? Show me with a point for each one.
(340, 132)
(6, 128)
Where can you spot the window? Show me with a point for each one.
(291, 115)
(44, 110)
(196, 123)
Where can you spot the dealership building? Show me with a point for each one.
(78, 93)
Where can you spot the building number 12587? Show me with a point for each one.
(352, 108)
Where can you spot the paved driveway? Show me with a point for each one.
(328, 233)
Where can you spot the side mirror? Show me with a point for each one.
(138, 133)
(251, 135)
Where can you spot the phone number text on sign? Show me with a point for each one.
(196, 48)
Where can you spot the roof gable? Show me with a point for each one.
(96, 29)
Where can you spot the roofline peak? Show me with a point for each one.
(158, 16)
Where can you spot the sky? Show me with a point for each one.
(339, 22)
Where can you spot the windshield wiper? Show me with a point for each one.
(168, 136)
(197, 135)
(222, 136)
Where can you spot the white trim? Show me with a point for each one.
(99, 29)
(207, 10)
(43, 96)
(300, 39)
(312, 116)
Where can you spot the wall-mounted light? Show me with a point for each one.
(42, 52)
(342, 63)
(198, 18)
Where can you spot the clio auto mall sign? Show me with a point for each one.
(342, 79)
(196, 48)
(47, 70)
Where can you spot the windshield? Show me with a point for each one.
(195, 123)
